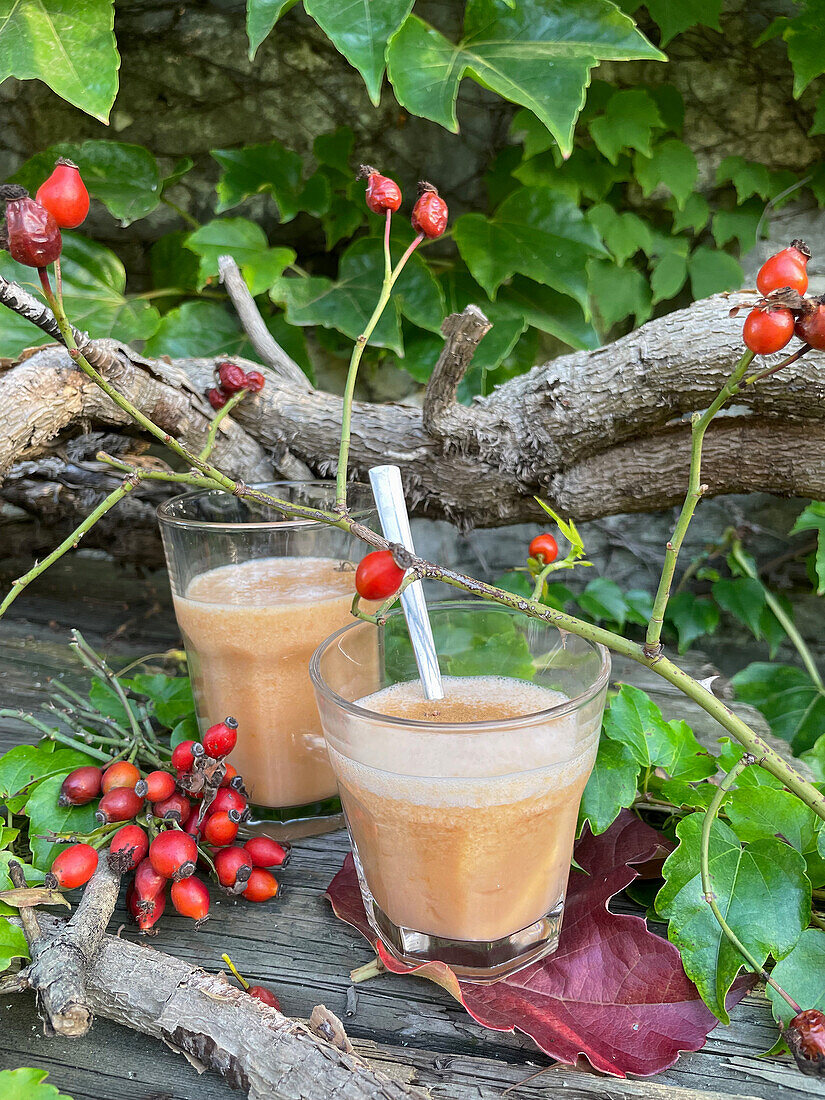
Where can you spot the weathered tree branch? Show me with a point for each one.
(442, 416)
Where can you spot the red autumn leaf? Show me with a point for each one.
(613, 991)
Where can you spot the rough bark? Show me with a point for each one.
(594, 433)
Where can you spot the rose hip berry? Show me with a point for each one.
(265, 852)
(146, 911)
(64, 195)
(230, 773)
(377, 576)
(767, 331)
(156, 786)
(261, 993)
(176, 807)
(121, 774)
(217, 398)
(221, 738)
(173, 854)
(227, 799)
(810, 327)
(128, 848)
(786, 268)
(183, 755)
(33, 234)
(430, 214)
(231, 377)
(148, 882)
(255, 381)
(219, 829)
(73, 867)
(119, 804)
(233, 865)
(262, 885)
(544, 548)
(190, 898)
(382, 193)
(805, 1035)
(80, 786)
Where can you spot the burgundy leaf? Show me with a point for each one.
(613, 991)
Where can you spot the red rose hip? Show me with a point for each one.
(768, 330)
(786, 268)
(430, 213)
(80, 786)
(73, 867)
(34, 236)
(173, 854)
(377, 576)
(544, 548)
(64, 195)
(266, 852)
(382, 193)
(221, 738)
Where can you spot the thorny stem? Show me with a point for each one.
(699, 426)
(56, 735)
(707, 883)
(785, 621)
(390, 277)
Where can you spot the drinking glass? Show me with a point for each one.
(254, 593)
(462, 832)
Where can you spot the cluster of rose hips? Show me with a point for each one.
(232, 379)
(383, 196)
(32, 230)
(191, 816)
(784, 311)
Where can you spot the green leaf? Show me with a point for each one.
(761, 890)
(790, 701)
(675, 17)
(198, 329)
(693, 215)
(534, 233)
(770, 627)
(800, 975)
(672, 165)
(712, 272)
(126, 178)
(172, 263)
(803, 36)
(534, 135)
(46, 815)
(611, 786)
(731, 753)
(669, 262)
(639, 606)
(8, 836)
(760, 813)
(257, 169)
(68, 46)
(342, 219)
(261, 17)
(185, 730)
(624, 234)
(739, 225)
(748, 177)
(26, 1084)
(335, 150)
(171, 696)
(360, 30)
(691, 617)
(671, 106)
(602, 599)
(247, 244)
(681, 793)
(25, 764)
(544, 309)
(12, 946)
(347, 303)
(636, 721)
(628, 122)
(813, 519)
(619, 292)
(537, 54)
(742, 597)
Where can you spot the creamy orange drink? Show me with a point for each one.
(462, 811)
(250, 630)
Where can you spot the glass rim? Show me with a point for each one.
(519, 721)
(164, 516)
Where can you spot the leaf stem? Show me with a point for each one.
(699, 425)
(707, 883)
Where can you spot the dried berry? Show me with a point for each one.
(217, 398)
(261, 993)
(80, 786)
(255, 381)
(382, 193)
(805, 1036)
(231, 377)
(33, 234)
(430, 214)
(64, 195)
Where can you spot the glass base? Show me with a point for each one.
(294, 822)
(479, 961)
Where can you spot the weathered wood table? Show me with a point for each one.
(408, 1026)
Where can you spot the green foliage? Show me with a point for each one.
(800, 975)
(12, 946)
(28, 1084)
(611, 786)
(813, 519)
(635, 720)
(790, 701)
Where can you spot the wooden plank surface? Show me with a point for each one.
(409, 1026)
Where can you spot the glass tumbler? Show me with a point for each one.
(462, 830)
(254, 594)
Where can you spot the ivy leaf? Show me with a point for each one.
(636, 721)
(126, 178)
(172, 263)
(739, 225)
(360, 30)
(628, 122)
(624, 234)
(813, 519)
(25, 764)
(611, 786)
(675, 18)
(639, 606)
(12, 946)
(45, 815)
(800, 975)
(27, 1084)
(334, 150)
(731, 753)
(712, 271)
(535, 233)
(535, 54)
(198, 329)
(790, 701)
(618, 292)
(692, 618)
(261, 17)
(246, 242)
(603, 599)
(748, 177)
(761, 890)
(803, 36)
(256, 169)
(681, 793)
(742, 597)
(532, 132)
(760, 813)
(669, 262)
(185, 730)
(671, 165)
(68, 46)
(694, 214)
